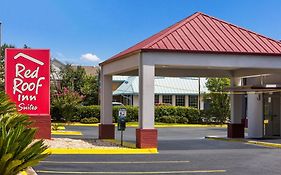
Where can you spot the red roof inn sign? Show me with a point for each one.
(27, 81)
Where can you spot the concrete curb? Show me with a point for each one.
(28, 171)
(67, 133)
(101, 151)
(247, 141)
(129, 148)
(156, 126)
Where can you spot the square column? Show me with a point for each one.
(186, 99)
(106, 128)
(255, 115)
(173, 100)
(146, 134)
(236, 129)
(160, 98)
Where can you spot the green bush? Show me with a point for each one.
(173, 119)
(132, 113)
(18, 151)
(88, 111)
(89, 120)
(66, 102)
(192, 115)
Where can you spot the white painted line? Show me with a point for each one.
(29, 58)
(136, 172)
(126, 162)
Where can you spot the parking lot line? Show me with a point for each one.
(135, 172)
(120, 162)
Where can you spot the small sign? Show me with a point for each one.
(122, 112)
(27, 80)
(265, 121)
(122, 119)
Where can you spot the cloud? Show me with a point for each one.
(90, 57)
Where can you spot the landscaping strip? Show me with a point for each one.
(118, 142)
(247, 141)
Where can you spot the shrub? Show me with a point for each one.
(132, 113)
(192, 115)
(89, 120)
(173, 119)
(88, 111)
(66, 102)
(167, 119)
(17, 149)
(182, 120)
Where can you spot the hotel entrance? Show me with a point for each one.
(271, 105)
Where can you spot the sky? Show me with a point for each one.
(86, 32)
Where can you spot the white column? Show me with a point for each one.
(255, 115)
(236, 101)
(146, 96)
(173, 100)
(106, 99)
(160, 98)
(136, 100)
(186, 101)
(201, 102)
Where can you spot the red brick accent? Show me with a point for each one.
(245, 122)
(146, 138)
(43, 125)
(235, 130)
(106, 131)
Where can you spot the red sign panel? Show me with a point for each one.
(27, 80)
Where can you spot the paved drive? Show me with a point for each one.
(181, 151)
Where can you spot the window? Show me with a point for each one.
(193, 101)
(127, 99)
(156, 99)
(167, 99)
(180, 100)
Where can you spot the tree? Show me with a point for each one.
(77, 80)
(2, 64)
(90, 90)
(219, 100)
(73, 78)
(66, 102)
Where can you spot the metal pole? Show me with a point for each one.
(0, 38)
(121, 138)
(199, 93)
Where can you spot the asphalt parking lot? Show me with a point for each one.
(181, 151)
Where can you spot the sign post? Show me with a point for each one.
(27, 82)
(122, 122)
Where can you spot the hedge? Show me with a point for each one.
(192, 115)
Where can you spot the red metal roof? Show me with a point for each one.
(202, 33)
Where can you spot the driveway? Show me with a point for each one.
(181, 151)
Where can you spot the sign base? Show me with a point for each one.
(43, 125)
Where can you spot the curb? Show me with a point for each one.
(252, 142)
(28, 171)
(101, 151)
(156, 126)
(129, 148)
(66, 133)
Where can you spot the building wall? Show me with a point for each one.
(115, 85)
(136, 100)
